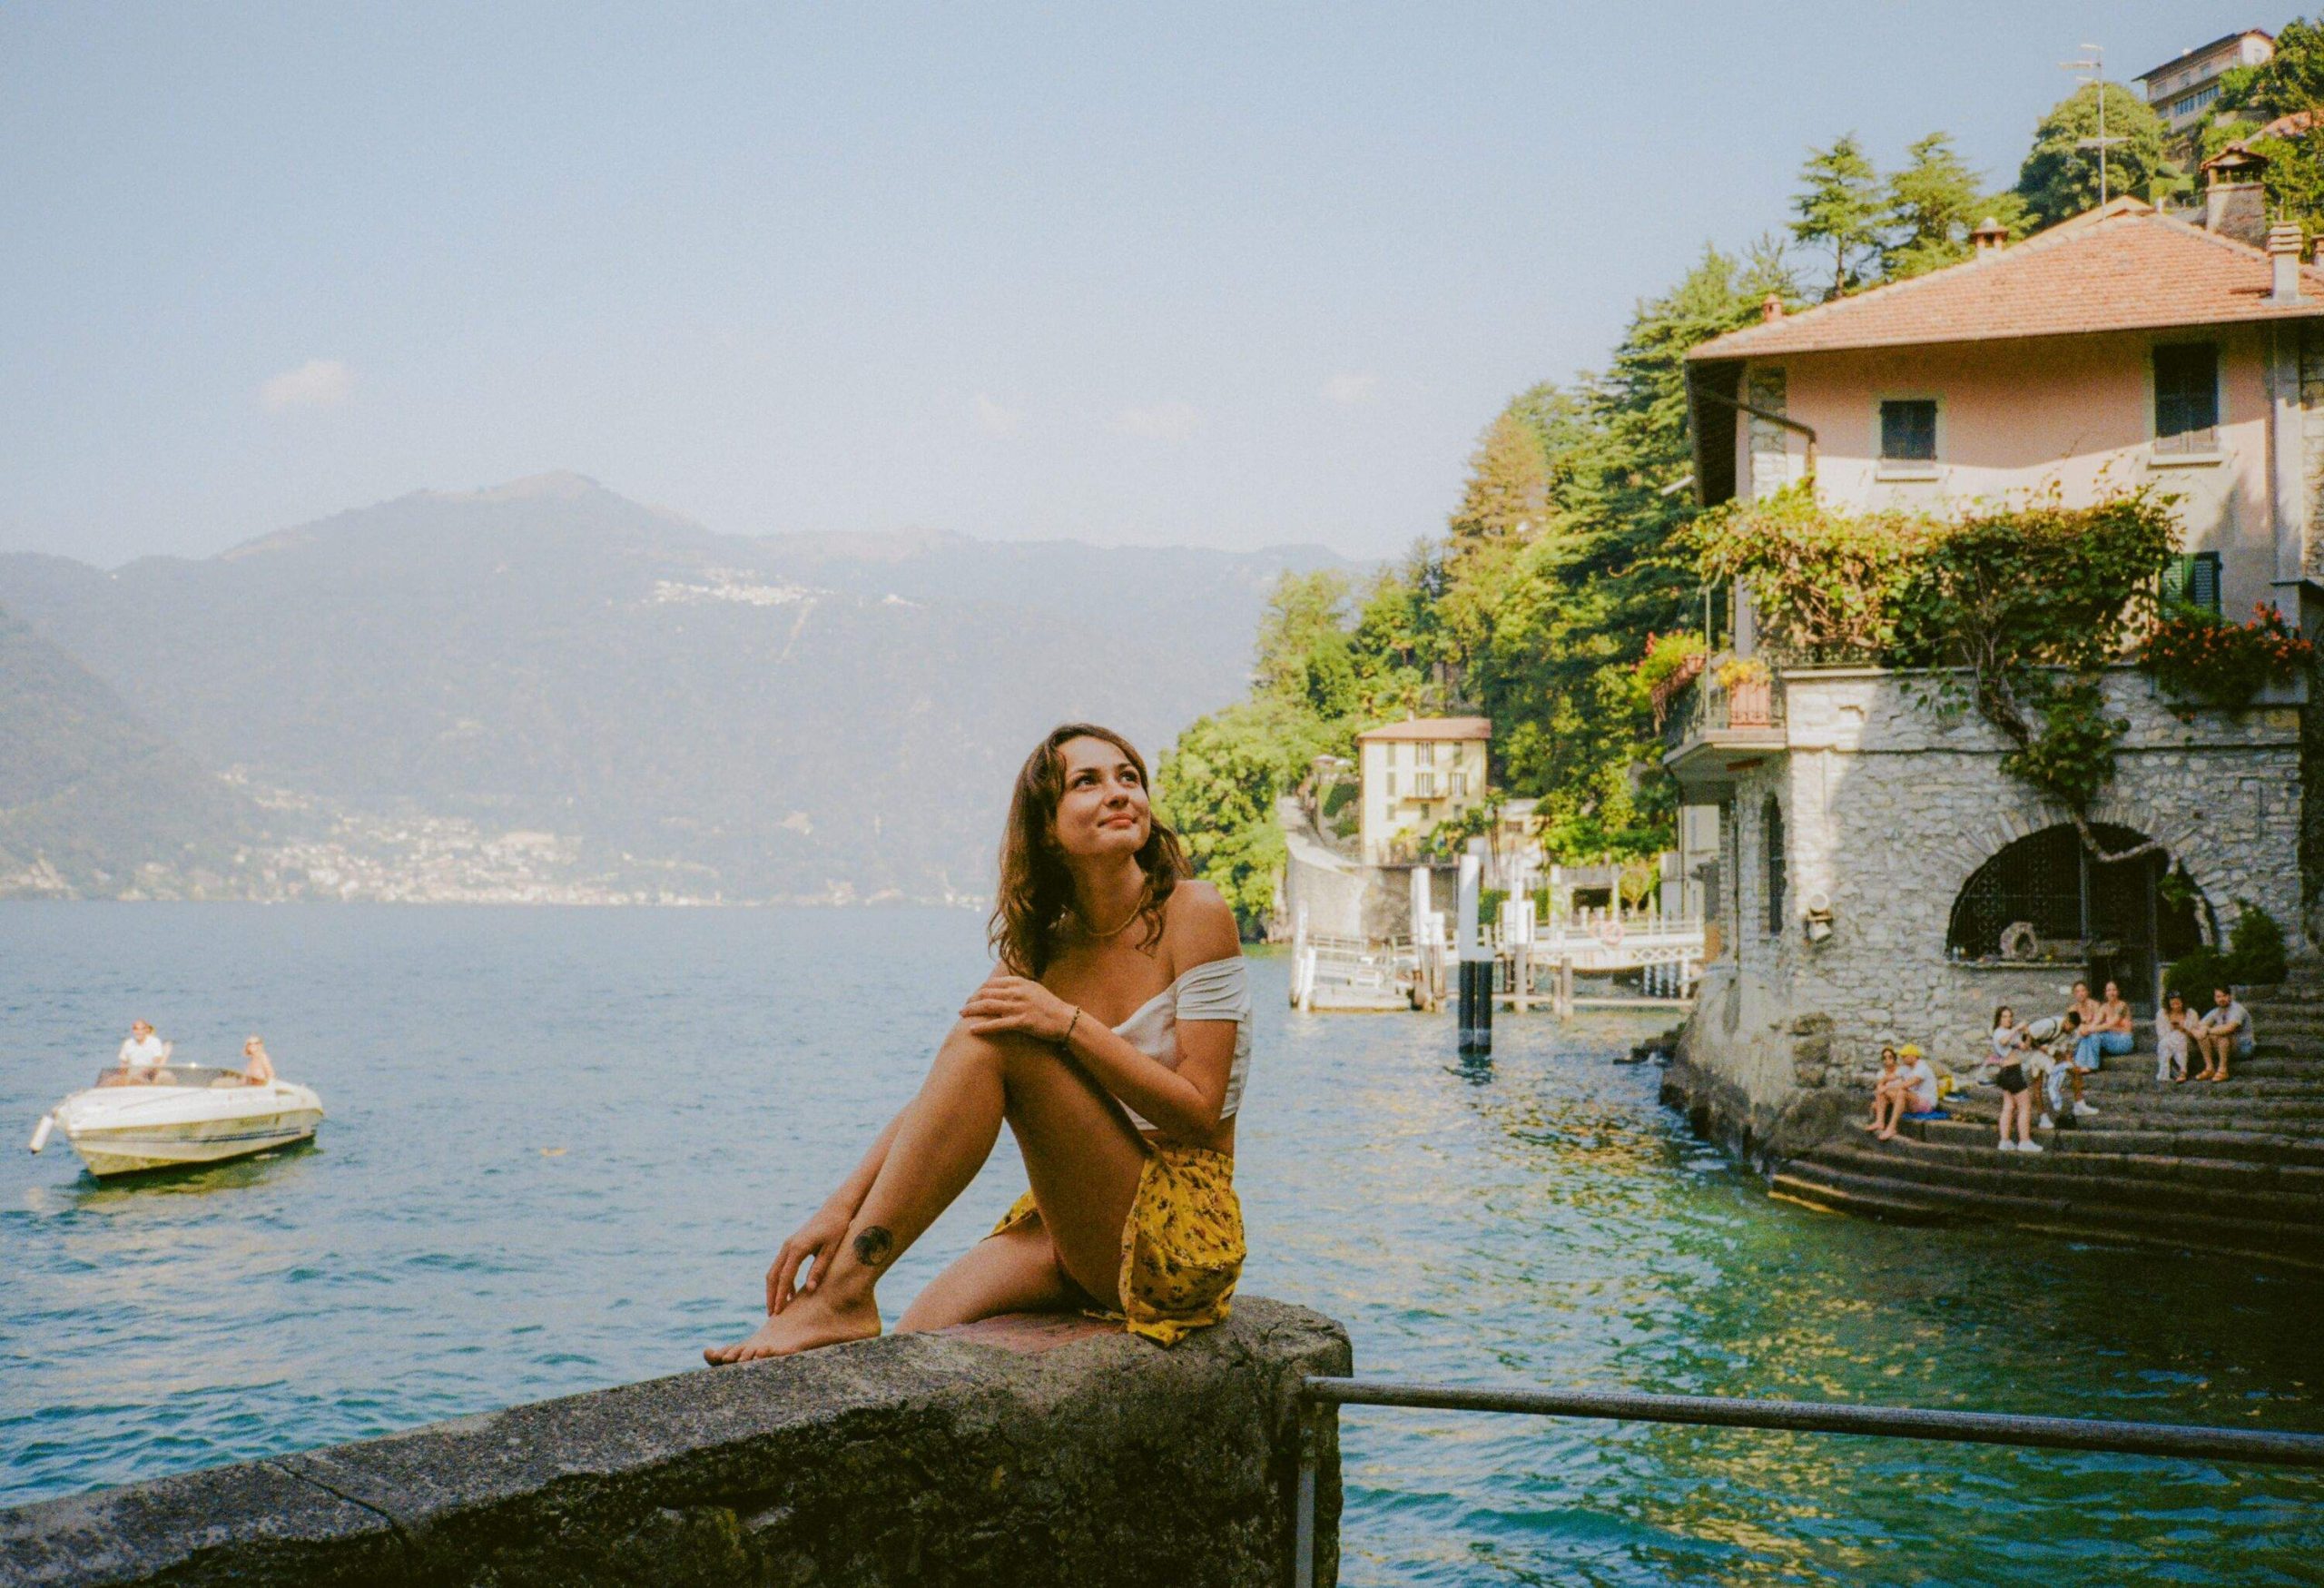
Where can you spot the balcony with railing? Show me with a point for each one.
(1721, 718)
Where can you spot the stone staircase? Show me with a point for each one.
(2234, 1167)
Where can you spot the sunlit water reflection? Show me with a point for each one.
(563, 1144)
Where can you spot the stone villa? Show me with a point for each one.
(1869, 855)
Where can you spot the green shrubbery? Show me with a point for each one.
(2014, 609)
(2254, 957)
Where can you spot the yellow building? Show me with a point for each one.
(1417, 773)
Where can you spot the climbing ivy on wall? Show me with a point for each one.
(2012, 610)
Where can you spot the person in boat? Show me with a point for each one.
(258, 1070)
(143, 1054)
(1114, 1038)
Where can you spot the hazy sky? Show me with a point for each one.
(1227, 275)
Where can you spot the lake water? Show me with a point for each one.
(563, 1144)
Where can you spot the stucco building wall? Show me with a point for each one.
(2076, 413)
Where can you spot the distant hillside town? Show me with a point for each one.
(544, 693)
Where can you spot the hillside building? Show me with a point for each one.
(1870, 854)
(1416, 774)
(2183, 92)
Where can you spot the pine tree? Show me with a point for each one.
(1932, 204)
(1508, 494)
(1840, 208)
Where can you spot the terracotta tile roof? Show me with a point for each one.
(2291, 126)
(2122, 267)
(1438, 728)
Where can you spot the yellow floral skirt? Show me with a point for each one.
(1182, 1245)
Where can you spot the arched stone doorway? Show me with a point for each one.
(2123, 921)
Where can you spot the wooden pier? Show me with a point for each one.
(1534, 965)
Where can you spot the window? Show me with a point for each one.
(1908, 431)
(1424, 785)
(1389, 785)
(2192, 581)
(1460, 785)
(2195, 101)
(1427, 754)
(2186, 397)
(1771, 831)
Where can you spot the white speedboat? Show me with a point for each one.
(186, 1114)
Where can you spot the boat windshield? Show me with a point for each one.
(193, 1075)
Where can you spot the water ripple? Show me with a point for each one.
(563, 1145)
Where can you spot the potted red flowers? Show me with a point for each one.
(2198, 655)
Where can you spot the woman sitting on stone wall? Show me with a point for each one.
(1113, 1036)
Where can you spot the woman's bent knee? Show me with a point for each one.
(1004, 1050)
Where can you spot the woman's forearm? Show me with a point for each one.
(1158, 1093)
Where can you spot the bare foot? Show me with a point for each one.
(1885, 1136)
(814, 1318)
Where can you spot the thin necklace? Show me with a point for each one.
(1096, 936)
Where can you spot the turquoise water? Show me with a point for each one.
(563, 1145)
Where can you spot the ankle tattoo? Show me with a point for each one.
(874, 1246)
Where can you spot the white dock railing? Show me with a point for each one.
(1535, 961)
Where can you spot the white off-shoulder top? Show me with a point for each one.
(1214, 990)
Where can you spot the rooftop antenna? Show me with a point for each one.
(2094, 64)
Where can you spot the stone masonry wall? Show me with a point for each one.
(1889, 808)
(1022, 1451)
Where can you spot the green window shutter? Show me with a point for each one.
(2192, 581)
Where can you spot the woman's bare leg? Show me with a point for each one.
(1079, 1151)
(1015, 1271)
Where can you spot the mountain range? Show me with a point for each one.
(546, 669)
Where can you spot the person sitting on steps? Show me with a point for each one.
(2105, 1034)
(2174, 1031)
(2225, 1029)
(1113, 1037)
(2090, 1045)
(1915, 1094)
(1883, 1085)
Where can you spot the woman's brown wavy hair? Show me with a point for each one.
(1036, 889)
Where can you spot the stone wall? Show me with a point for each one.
(1889, 805)
(1022, 1451)
(1344, 897)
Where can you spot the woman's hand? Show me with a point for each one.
(1017, 1003)
(819, 1240)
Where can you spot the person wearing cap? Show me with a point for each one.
(1918, 1094)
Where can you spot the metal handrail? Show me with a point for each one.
(2184, 1441)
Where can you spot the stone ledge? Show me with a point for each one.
(1020, 1451)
